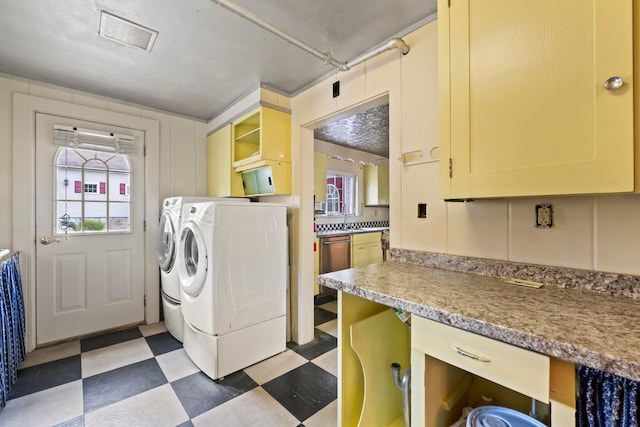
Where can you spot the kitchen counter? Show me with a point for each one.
(588, 328)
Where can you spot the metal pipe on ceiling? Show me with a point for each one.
(395, 43)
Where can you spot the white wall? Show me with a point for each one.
(182, 144)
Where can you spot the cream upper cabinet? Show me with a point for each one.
(376, 185)
(222, 180)
(261, 135)
(529, 97)
(320, 176)
(261, 151)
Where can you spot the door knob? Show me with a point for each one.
(46, 240)
(613, 83)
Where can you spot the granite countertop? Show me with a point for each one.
(588, 328)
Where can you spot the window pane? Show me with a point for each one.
(68, 217)
(119, 186)
(95, 164)
(66, 184)
(95, 216)
(119, 217)
(95, 185)
(69, 157)
(119, 162)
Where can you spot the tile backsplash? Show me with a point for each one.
(339, 226)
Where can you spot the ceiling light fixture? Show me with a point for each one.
(118, 29)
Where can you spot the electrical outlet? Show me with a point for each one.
(544, 216)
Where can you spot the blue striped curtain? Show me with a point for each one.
(606, 400)
(12, 325)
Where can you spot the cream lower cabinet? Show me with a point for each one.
(453, 369)
(370, 338)
(366, 248)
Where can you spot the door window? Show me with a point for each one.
(92, 192)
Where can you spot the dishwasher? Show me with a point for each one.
(335, 254)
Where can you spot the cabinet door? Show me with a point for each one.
(376, 185)
(524, 110)
(320, 176)
(276, 135)
(222, 180)
(374, 252)
(383, 185)
(359, 255)
(370, 185)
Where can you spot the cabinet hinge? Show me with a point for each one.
(144, 225)
(449, 3)
(450, 168)
(144, 151)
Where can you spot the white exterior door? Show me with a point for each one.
(89, 234)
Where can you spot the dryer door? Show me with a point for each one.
(193, 263)
(166, 242)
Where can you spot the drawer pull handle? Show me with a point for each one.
(470, 355)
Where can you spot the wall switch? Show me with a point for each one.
(544, 216)
(422, 210)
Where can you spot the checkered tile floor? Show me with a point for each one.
(143, 377)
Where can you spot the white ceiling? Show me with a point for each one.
(205, 57)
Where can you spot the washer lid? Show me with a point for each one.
(498, 416)
(166, 242)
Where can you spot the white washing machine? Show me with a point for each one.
(168, 254)
(233, 277)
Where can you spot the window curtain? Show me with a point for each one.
(12, 325)
(606, 400)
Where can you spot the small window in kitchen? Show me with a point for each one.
(341, 191)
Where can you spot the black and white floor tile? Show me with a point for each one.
(143, 377)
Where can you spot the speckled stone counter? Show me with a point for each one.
(589, 328)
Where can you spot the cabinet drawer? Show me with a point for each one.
(362, 238)
(521, 370)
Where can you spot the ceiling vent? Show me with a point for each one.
(126, 32)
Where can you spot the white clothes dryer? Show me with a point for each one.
(168, 254)
(233, 278)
